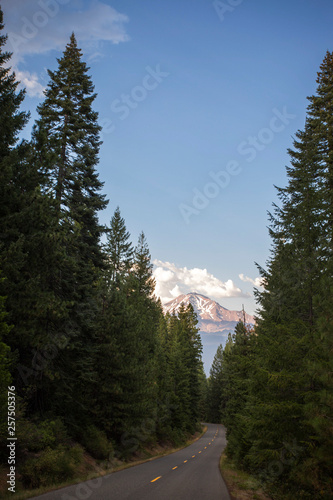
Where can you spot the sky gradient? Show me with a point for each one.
(199, 102)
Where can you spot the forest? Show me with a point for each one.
(272, 387)
(94, 363)
(84, 341)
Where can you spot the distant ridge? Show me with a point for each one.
(213, 318)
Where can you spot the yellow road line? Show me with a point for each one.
(193, 456)
(205, 447)
(199, 451)
(173, 468)
(156, 478)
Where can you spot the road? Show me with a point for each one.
(189, 474)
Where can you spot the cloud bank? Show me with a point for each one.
(39, 26)
(172, 281)
(257, 282)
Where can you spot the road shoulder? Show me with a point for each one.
(241, 485)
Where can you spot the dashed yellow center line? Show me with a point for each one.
(185, 461)
(156, 478)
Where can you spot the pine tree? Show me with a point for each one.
(116, 361)
(12, 120)
(66, 144)
(143, 279)
(203, 390)
(317, 470)
(119, 250)
(192, 357)
(320, 114)
(164, 380)
(147, 312)
(237, 366)
(180, 373)
(294, 271)
(23, 216)
(215, 387)
(289, 383)
(67, 139)
(129, 343)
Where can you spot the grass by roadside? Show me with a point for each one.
(241, 485)
(92, 469)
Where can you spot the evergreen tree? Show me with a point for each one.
(129, 343)
(237, 365)
(320, 115)
(179, 370)
(317, 469)
(147, 311)
(119, 250)
(116, 361)
(12, 120)
(23, 216)
(193, 351)
(67, 140)
(203, 390)
(164, 380)
(143, 269)
(186, 369)
(215, 387)
(66, 144)
(289, 382)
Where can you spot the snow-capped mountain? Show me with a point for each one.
(215, 322)
(211, 315)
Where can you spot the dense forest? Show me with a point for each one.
(94, 362)
(272, 386)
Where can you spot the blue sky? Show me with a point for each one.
(199, 102)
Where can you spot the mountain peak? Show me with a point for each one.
(211, 315)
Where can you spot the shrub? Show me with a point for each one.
(46, 434)
(96, 443)
(52, 466)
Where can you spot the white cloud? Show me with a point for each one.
(37, 27)
(257, 282)
(172, 281)
(30, 82)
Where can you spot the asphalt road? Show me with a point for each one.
(189, 474)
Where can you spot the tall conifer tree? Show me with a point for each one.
(66, 142)
(119, 250)
(291, 383)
